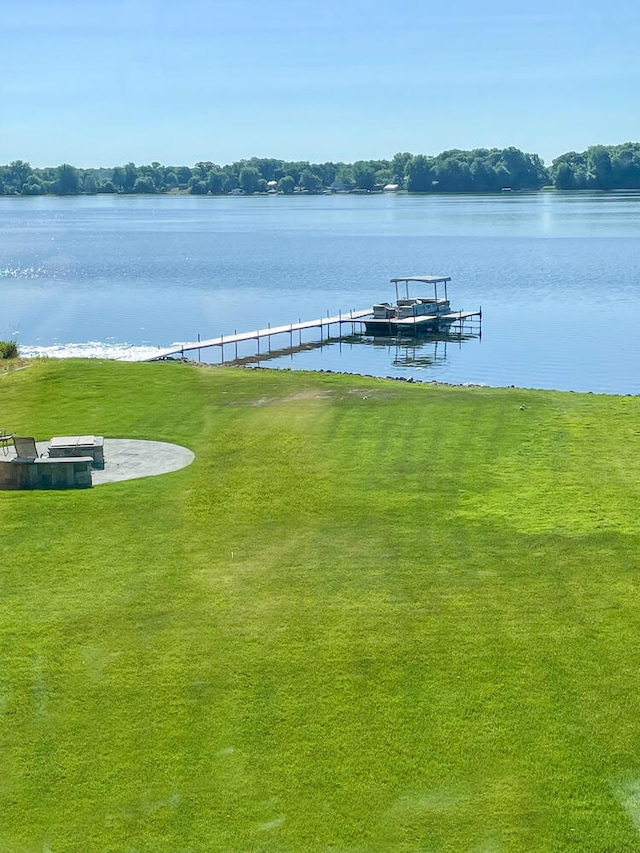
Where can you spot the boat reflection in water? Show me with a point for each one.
(428, 350)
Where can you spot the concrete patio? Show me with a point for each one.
(128, 459)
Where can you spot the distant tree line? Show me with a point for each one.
(482, 170)
(601, 167)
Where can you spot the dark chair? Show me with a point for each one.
(26, 448)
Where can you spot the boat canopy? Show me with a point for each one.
(435, 280)
(425, 279)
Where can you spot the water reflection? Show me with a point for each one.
(392, 356)
(425, 351)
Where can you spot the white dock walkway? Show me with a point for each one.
(270, 331)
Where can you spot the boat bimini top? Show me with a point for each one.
(435, 280)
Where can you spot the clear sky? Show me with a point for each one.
(102, 82)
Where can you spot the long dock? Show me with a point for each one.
(257, 335)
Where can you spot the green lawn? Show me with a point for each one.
(371, 616)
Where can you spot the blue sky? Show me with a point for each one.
(102, 82)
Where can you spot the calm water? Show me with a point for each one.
(556, 276)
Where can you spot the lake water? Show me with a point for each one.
(556, 276)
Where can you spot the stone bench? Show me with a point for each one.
(45, 473)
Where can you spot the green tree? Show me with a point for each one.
(269, 168)
(117, 178)
(364, 175)
(600, 168)
(204, 167)
(144, 184)
(197, 186)
(249, 179)
(420, 175)
(625, 165)
(329, 171)
(398, 167)
(170, 180)
(577, 164)
(526, 171)
(482, 176)
(384, 177)
(215, 181)
(294, 170)
(310, 181)
(130, 177)
(502, 176)
(90, 184)
(33, 186)
(155, 173)
(564, 178)
(183, 174)
(18, 172)
(344, 176)
(68, 180)
(229, 180)
(286, 185)
(452, 172)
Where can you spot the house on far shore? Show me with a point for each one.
(390, 188)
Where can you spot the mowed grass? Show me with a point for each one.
(370, 616)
